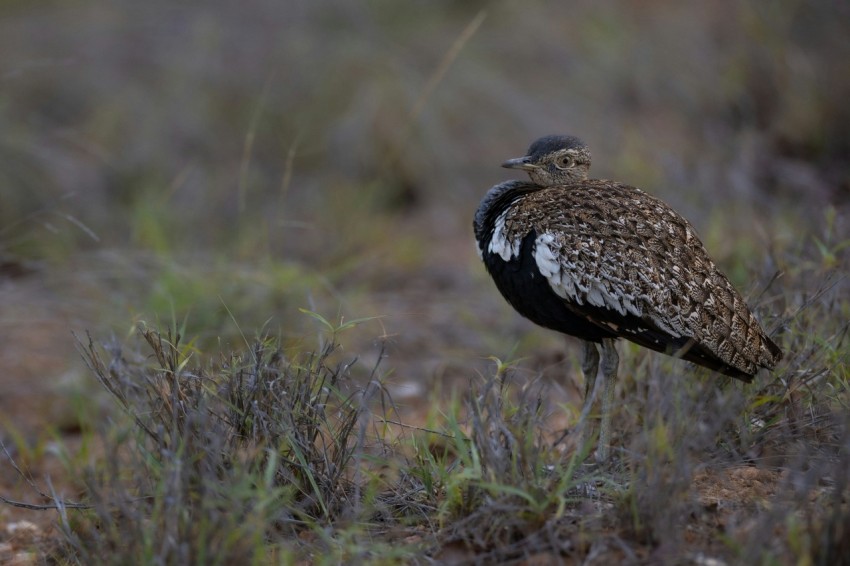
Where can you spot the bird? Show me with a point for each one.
(601, 260)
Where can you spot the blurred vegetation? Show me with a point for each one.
(218, 125)
(217, 167)
(323, 136)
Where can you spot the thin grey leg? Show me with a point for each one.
(610, 361)
(589, 367)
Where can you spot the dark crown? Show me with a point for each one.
(549, 144)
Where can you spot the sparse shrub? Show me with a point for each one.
(218, 461)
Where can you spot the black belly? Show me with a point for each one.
(521, 283)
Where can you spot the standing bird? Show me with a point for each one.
(600, 260)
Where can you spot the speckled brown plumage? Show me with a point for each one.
(620, 259)
(629, 254)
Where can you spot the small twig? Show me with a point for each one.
(419, 428)
(770, 283)
(431, 85)
(445, 64)
(95, 364)
(814, 299)
(33, 506)
(48, 507)
(17, 469)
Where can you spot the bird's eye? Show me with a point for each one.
(564, 162)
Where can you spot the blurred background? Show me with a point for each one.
(219, 166)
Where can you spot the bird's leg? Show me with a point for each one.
(610, 361)
(589, 367)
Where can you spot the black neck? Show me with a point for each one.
(495, 202)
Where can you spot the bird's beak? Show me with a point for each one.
(523, 163)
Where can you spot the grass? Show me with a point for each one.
(260, 457)
(265, 456)
(217, 462)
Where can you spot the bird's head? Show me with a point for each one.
(554, 160)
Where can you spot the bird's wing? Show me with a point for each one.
(627, 261)
(645, 333)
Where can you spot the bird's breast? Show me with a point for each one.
(516, 270)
